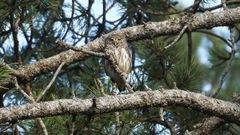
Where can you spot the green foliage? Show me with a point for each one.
(5, 72)
(187, 77)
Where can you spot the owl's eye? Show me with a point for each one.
(112, 39)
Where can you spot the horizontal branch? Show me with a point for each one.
(173, 97)
(207, 126)
(205, 20)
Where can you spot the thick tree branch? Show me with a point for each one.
(207, 127)
(173, 97)
(205, 20)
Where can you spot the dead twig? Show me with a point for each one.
(101, 87)
(51, 82)
(31, 99)
(177, 38)
(79, 49)
(228, 67)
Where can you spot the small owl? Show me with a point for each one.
(118, 60)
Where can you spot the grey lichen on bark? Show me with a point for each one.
(207, 126)
(226, 110)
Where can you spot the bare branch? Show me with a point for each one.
(29, 98)
(207, 126)
(61, 43)
(215, 35)
(177, 38)
(38, 121)
(41, 125)
(224, 4)
(223, 109)
(229, 64)
(100, 87)
(50, 83)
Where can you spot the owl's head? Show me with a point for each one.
(116, 39)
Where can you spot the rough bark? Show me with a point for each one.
(205, 20)
(207, 126)
(173, 97)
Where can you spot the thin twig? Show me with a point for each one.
(147, 88)
(4, 128)
(228, 67)
(224, 5)
(190, 43)
(200, 9)
(195, 6)
(177, 38)
(232, 54)
(14, 26)
(29, 98)
(159, 120)
(101, 87)
(71, 20)
(71, 82)
(118, 125)
(117, 119)
(42, 126)
(103, 15)
(161, 114)
(232, 2)
(215, 35)
(88, 20)
(79, 49)
(51, 82)
(73, 121)
(14, 128)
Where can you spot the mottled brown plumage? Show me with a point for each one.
(118, 60)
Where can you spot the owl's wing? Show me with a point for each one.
(123, 59)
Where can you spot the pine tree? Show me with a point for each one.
(35, 68)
